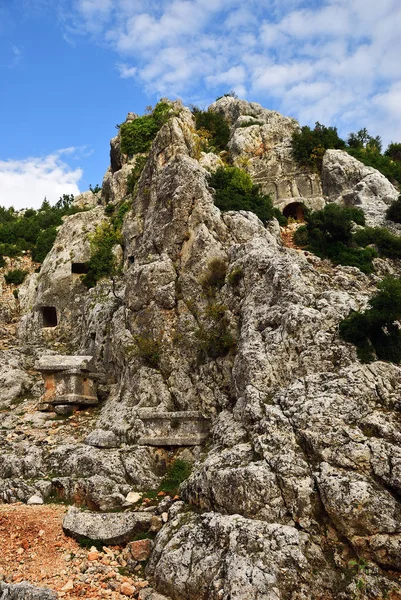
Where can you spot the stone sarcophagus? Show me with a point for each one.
(181, 428)
(69, 380)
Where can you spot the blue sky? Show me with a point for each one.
(71, 69)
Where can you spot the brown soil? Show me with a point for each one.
(34, 548)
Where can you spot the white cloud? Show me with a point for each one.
(25, 183)
(334, 60)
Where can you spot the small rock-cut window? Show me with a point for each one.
(49, 316)
(131, 259)
(79, 268)
(295, 211)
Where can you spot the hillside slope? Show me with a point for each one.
(296, 492)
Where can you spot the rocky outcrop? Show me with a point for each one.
(347, 181)
(55, 302)
(260, 142)
(296, 492)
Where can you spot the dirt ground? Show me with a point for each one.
(34, 548)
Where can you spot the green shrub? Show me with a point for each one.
(235, 276)
(96, 189)
(375, 332)
(301, 236)
(2, 261)
(214, 276)
(394, 211)
(118, 217)
(216, 125)
(388, 244)
(102, 262)
(328, 234)
(177, 472)
(15, 276)
(214, 337)
(44, 243)
(394, 151)
(234, 190)
(332, 224)
(149, 350)
(33, 230)
(309, 145)
(250, 123)
(135, 174)
(137, 135)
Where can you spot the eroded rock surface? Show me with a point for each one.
(346, 180)
(296, 492)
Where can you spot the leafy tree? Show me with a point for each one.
(394, 211)
(394, 151)
(33, 230)
(388, 244)
(216, 125)
(309, 145)
(376, 332)
(328, 234)
(234, 190)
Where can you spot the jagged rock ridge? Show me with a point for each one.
(298, 487)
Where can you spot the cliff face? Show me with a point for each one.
(296, 492)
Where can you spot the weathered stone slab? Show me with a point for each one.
(58, 362)
(180, 428)
(109, 528)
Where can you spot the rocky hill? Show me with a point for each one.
(214, 344)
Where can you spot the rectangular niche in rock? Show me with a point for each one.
(49, 316)
(79, 268)
(69, 380)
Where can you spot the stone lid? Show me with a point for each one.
(60, 362)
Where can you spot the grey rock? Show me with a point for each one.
(35, 500)
(64, 409)
(348, 181)
(100, 438)
(150, 594)
(87, 200)
(218, 556)
(264, 148)
(25, 591)
(110, 528)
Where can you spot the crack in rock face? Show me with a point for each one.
(216, 345)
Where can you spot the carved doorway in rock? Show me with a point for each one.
(49, 316)
(295, 210)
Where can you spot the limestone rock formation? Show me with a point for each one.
(295, 486)
(347, 181)
(261, 143)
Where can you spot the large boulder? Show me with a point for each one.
(109, 528)
(25, 591)
(348, 181)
